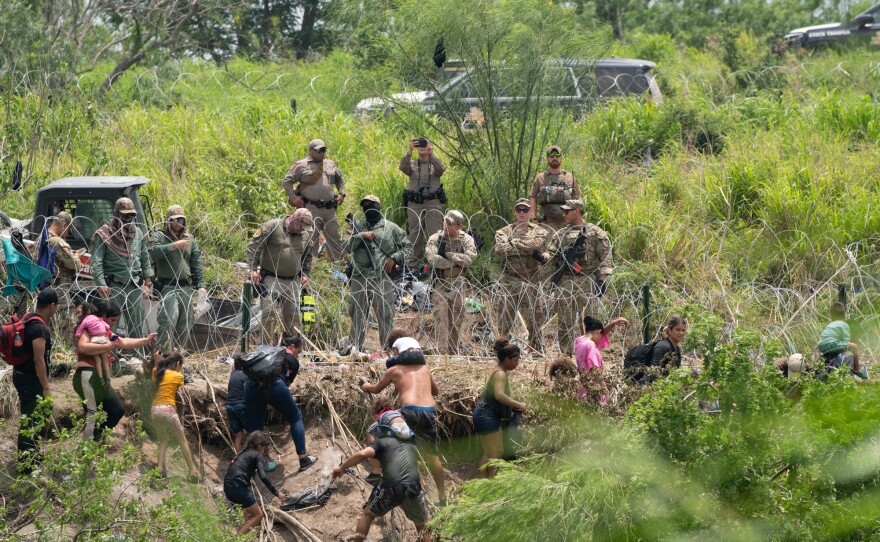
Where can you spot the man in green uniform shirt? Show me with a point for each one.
(376, 246)
(121, 265)
(178, 259)
(279, 258)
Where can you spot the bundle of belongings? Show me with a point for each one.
(409, 352)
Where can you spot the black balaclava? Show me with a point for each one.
(372, 212)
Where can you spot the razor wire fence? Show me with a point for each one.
(790, 317)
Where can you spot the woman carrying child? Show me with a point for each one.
(237, 483)
(91, 380)
(168, 379)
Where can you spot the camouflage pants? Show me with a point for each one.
(175, 317)
(423, 220)
(448, 300)
(575, 298)
(520, 296)
(365, 292)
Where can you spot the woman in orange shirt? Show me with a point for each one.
(168, 379)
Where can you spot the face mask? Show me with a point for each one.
(372, 213)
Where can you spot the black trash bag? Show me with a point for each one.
(313, 496)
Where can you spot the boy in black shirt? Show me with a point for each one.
(31, 378)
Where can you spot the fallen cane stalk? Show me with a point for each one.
(300, 530)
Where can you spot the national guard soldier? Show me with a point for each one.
(449, 252)
(523, 248)
(424, 196)
(582, 259)
(280, 261)
(376, 247)
(551, 189)
(178, 260)
(121, 266)
(66, 260)
(309, 183)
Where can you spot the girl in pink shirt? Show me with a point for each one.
(588, 356)
(99, 332)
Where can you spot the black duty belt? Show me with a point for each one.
(136, 280)
(320, 204)
(271, 274)
(418, 197)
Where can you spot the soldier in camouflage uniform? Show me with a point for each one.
(522, 247)
(449, 252)
(178, 260)
(121, 266)
(423, 197)
(551, 189)
(376, 246)
(279, 258)
(582, 275)
(309, 183)
(66, 260)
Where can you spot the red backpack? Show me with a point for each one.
(12, 349)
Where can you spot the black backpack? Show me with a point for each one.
(640, 355)
(264, 364)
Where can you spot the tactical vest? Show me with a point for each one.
(558, 191)
(282, 252)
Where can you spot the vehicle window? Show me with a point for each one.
(88, 216)
(560, 82)
(617, 82)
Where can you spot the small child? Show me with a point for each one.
(835, 345)
(237, 482)
(235, 408)
(389, 423)
(168, 379)
(99, 333)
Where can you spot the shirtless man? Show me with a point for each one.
(417, 389)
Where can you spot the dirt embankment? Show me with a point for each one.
(335, 412)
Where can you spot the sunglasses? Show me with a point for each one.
(554, 155)
(522, 210)
(125, 217)
(322, 150)
(178, 220)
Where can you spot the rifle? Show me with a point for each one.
(350, 219)
(570, 257)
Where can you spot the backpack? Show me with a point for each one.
(12, 349)
(640, 355)
(264, 364)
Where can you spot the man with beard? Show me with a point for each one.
(178, 259)
(376, 246)
(280, 260)
(551, 189)
(121, 265)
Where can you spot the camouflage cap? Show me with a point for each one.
(522, 202)
(572, 204)
(175, 211)
(124, 206)
(63, 216)
(554, 148)
(316, 144)
(454, 217)
(371, 197)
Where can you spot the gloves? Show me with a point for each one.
(441, 250)
(601, 288)
(538, 255)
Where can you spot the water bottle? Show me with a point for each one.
(16, 341)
